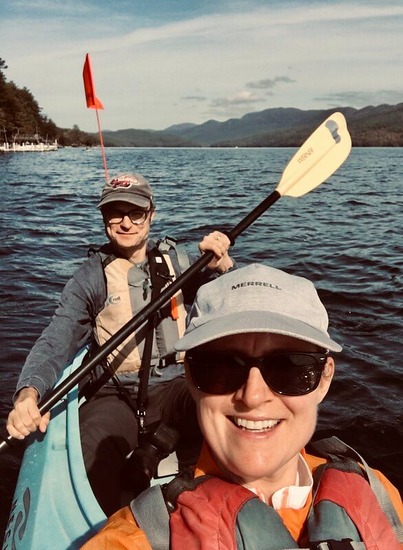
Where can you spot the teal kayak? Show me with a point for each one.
(53, 505)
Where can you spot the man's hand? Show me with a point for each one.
(219, 244)
(25, 418)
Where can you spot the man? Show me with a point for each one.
(258, 365)
(115, 283)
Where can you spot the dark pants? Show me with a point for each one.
(109, 432)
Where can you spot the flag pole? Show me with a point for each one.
(101, 141)
(94, 103)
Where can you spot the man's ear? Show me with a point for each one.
(326, 378)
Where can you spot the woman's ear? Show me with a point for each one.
(326, 378)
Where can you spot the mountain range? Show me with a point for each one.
(372, 126)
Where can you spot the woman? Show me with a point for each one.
(258, 364)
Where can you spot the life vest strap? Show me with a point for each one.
(341, 453)
(152, 517)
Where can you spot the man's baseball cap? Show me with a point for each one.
(131, 188)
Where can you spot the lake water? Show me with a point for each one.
(346, 236)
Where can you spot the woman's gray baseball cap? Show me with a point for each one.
(131, 188)
(257, 298)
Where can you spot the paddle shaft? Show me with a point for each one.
(62, 389)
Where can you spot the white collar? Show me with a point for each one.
(294, 496)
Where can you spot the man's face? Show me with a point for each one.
(255, 433)
(125, 234)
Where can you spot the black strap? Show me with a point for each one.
(159, 274)
(345, 544)
(144, 374)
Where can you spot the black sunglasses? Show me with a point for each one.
(136, 216)
(287, 373)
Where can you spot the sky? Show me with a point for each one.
(157, 63)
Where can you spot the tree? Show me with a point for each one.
(21, 117)
(3, 66)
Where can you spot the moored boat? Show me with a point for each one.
(28, 146)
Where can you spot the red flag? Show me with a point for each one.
(92, 100)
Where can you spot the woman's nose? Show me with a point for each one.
(255, 390)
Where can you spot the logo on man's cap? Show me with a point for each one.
(124, 182)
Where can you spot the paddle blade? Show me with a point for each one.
(318, 158)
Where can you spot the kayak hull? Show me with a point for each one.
(53, 505)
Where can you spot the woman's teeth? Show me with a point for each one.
(257, 425)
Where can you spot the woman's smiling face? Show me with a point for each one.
(255, 433)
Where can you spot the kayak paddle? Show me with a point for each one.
(317, 159)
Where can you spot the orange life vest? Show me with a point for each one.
(208, 513)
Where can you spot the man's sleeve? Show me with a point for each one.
(69, 330)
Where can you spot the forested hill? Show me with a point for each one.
(21, 118)
(380, 126)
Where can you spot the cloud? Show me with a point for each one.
(234, 105)
(242, 98)
(360, 98)
(242, 101)
(269, 83)
(194, 98)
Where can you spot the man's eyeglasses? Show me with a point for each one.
(286, 373)
(137, 217)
